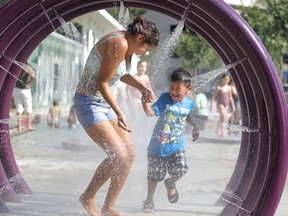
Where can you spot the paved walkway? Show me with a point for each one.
(58, 164)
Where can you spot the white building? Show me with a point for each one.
(61, 59)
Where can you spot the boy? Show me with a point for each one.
(166, 151)
(54, 113)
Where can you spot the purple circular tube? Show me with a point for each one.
(260, 172)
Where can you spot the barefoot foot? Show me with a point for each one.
(110, 212)
(89, 205)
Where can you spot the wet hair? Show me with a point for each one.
(55, 102)
(224, 75)
(181, 75)
(147, 28)
(141, 61)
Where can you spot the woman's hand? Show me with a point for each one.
(147, 96)
(122, 122)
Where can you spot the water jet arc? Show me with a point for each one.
(259, 176)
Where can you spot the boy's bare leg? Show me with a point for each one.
(150, 191)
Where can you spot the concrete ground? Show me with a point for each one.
(58, 164)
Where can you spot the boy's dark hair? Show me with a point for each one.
(55, 102)
(181, 75)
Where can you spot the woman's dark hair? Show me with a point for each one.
(181, 75)
(147, 28)
(224, 75)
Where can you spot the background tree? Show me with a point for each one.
(195, 53)
(2, 2)
(268, 18)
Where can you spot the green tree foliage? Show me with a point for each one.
(195, 53)
(2, 2)
(269, 20)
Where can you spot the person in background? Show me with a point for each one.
(99, 113)
(23, 98)
(236, 115)
(223, 95)
(200, 111)
(166, 152)
(53, 117)
(71, 117)
(134, 96)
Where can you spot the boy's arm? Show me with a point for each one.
(195, 130)
(147, 108)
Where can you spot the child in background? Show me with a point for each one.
(200, 111)
(133, 94)
(71, 117)
(166, 151)
(223, 95)
(54, 115)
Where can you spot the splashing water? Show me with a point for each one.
(10, 73)
(127, 17)
(123, 17)
(200, 81)
(45, 12)
(4, 121)
(237, 206)
(167, 47)
(77, 35)
(121, 12)
(69, 28)
(165, 51)
(29, 68)
(234, 127)
(230, 193)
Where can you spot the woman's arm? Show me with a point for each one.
(112, 52)
(131, 81)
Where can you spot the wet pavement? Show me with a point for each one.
(58, 164)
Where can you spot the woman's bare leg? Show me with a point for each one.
(117, 144)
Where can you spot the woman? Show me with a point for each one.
(133, 94)
(223, 94)
(99, 113)
(23, 98)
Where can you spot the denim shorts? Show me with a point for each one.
(91, 110)
(158, 167)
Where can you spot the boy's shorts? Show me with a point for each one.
(158, 167)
